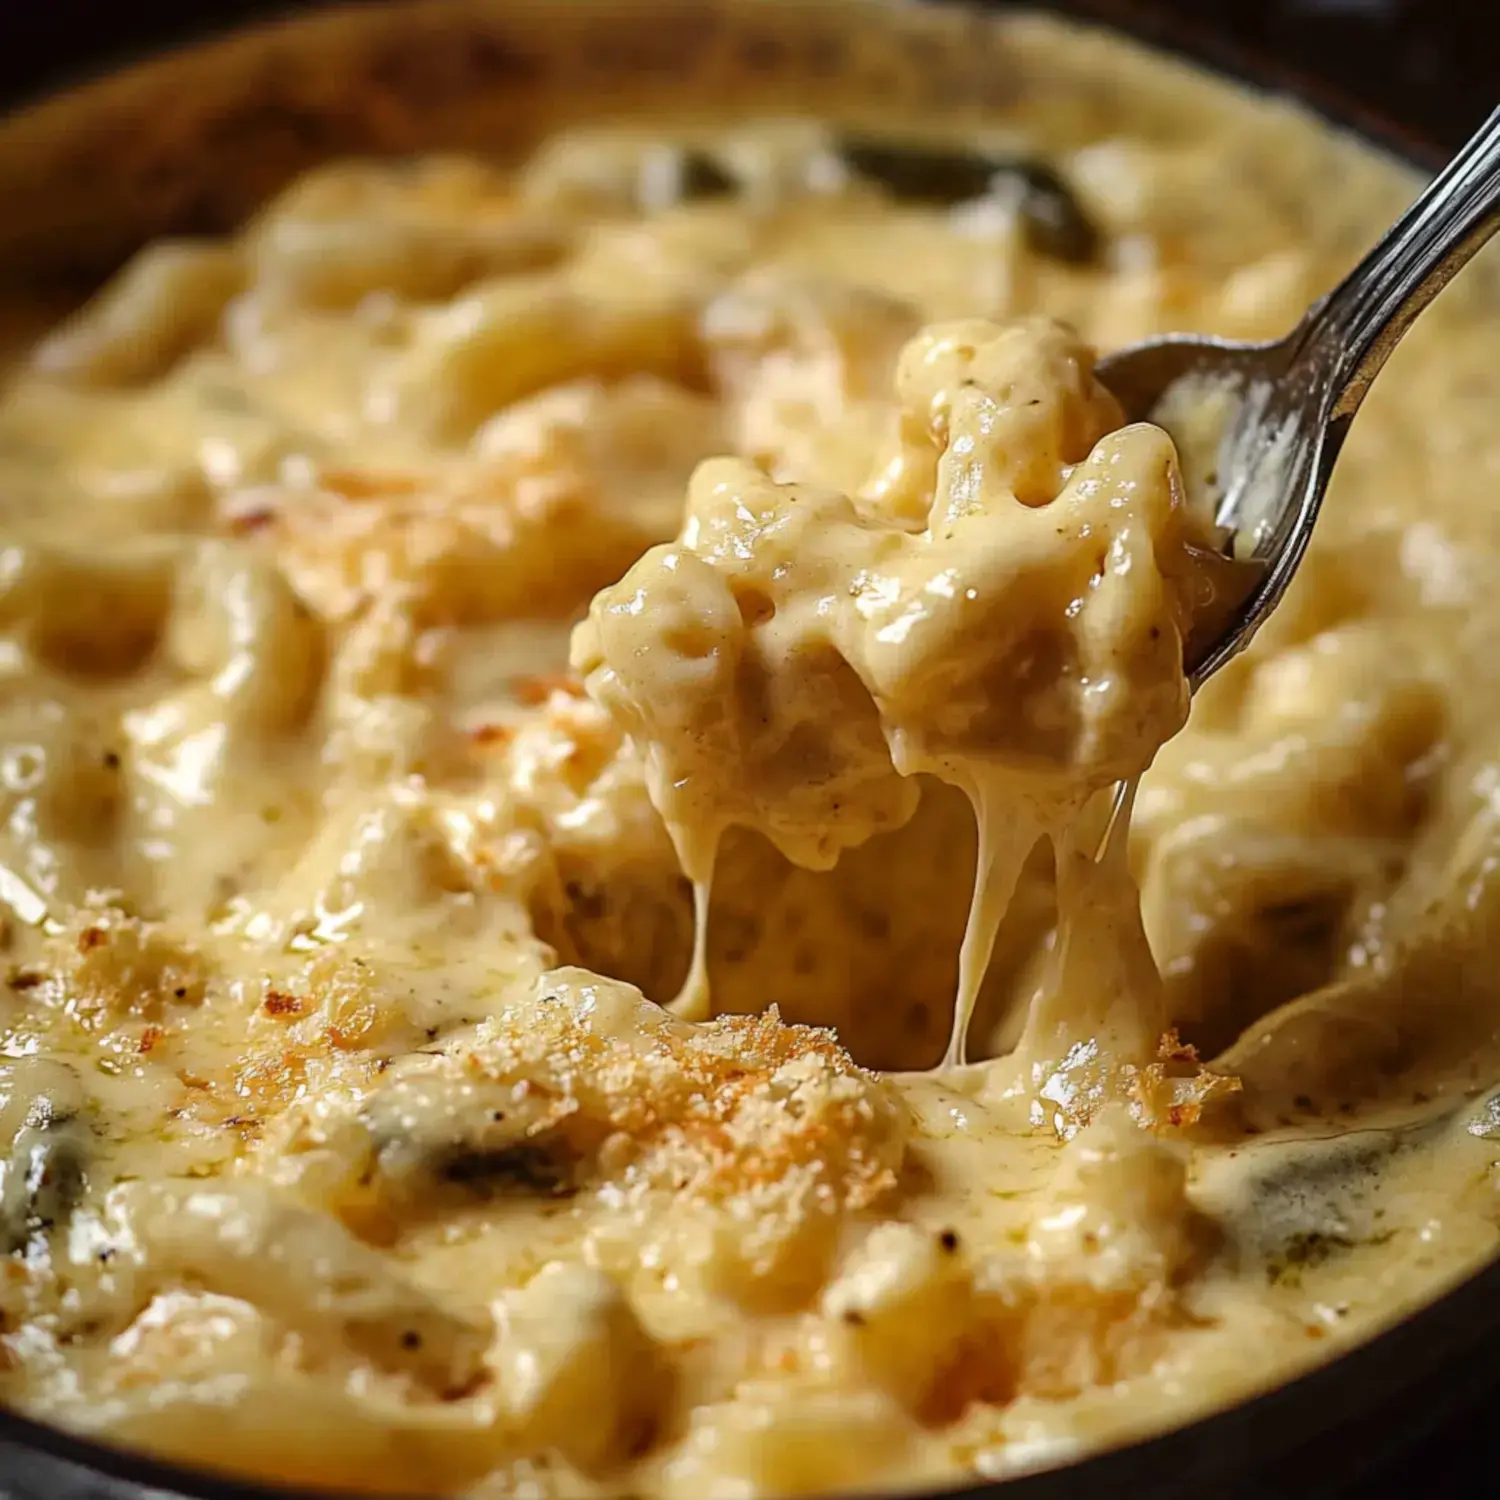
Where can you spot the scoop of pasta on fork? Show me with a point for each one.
(1003, 606)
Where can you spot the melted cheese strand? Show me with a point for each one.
(694, 1001)
(1095, 1029)
(1005, 841)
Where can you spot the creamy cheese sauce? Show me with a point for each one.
(458, 1039)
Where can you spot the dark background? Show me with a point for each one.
(1428, 66)
(1415, 70)
(1435, 64)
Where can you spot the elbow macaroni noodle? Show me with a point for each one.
(708, 1058)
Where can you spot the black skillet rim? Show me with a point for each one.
(1361, 1402)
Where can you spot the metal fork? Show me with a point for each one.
(1294, 400)
(1291, 402)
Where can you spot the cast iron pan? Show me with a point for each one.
(1405, 1415)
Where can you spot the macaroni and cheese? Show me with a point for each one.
(564, 930)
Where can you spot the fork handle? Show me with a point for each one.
(1356, 327)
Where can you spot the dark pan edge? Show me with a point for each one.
(1202, 43)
